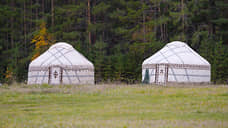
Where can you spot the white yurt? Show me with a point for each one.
(61, 64)
(176, 62)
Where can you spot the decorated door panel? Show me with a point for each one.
(55, 75)
(161, 74)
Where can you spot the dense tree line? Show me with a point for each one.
(116, 35)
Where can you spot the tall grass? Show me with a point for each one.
(113, 106)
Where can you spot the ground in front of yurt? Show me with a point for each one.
(113, 106)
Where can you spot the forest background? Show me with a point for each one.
(116, 35)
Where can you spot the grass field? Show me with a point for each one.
(115, 106)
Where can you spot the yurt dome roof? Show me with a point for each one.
(62, 45)
(61, 54)
(176, 52)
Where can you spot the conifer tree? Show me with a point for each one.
(99, 59)
(131, 29)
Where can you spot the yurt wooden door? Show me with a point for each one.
(161, 75)
(55, 75)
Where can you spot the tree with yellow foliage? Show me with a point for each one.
(42, 40)
(9, 75)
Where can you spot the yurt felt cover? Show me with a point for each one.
(75, 68)
(181, 64)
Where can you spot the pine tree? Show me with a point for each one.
(99, 59)
(219, 63)
(131, 29)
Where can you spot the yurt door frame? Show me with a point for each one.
(55, 75)
(161, 74)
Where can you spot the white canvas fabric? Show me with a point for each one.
(61, 64)
(176, 62)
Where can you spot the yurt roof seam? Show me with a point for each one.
(193, 52)
(63, 56)
(83, 57)
(49, 58)
(46, 61)
(197, 55)
(173, 48)
(68, 61)
(164, 57)
(165, 52)
(61, 44)
(60, 62)
(170, 56)
(58, 57)
(170, 47)
(168, 62)
(175, 54)
(54, 58)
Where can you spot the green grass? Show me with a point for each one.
(113, 106)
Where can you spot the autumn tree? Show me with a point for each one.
(42, 40)
(9, 75)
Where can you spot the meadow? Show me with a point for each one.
(118, 106)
